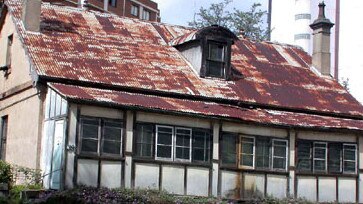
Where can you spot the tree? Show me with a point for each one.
(248, 23)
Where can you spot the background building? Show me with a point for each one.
(290, 24)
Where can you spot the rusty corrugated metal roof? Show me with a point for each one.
(262, 116)
(96, 47)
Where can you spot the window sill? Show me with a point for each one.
(352, 175)
(176, 163)
(248, 170)
(102, 157)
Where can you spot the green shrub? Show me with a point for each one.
(6, 175)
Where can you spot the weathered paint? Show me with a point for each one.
(110, 174)
(95, 111)
(46, 155)
(360, 188)
(277, 186)
(229, 184)
(306, 188)
(172, 120)
(333, 137)
(170, 182)
(346, 190)
(87, 172)
(146, 176)
(291, 169)
(327, 189)
(254, 130)
(197, 181)
(71, 146)
(128, 169)
(254, 185)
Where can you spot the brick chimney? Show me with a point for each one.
(321, 42)
(31, 15)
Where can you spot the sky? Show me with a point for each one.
(180, 12)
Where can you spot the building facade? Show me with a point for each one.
(100, 100)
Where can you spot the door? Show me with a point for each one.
(57, 155)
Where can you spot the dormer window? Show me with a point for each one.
(208, 50)
(215, 62)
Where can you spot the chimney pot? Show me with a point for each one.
(321, 42)
(31, 15)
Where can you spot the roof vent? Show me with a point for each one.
(31, 15)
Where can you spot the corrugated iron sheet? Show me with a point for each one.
(262, 116)
(107, 49)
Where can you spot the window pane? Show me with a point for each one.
(349, 167)
(111, 147)
(228, 148)
(183, 137)
(198, 141)
(280, 151)
(198, 155)
(112, 133)
(215, 69)
(144, 150)
(144, 140)
(201, 145)
(89, 145)
(304, 156)
(279, 163)
(247, 160)
(164, 138)
(349, 154)
(216, 52)
(90, 131)
(247, 148)
(182, 153)
(334, 162)
(262, 153)
(319, 165)
(319, 153)
(164, 151)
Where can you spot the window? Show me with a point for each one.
(320, 157)
(145, 15)
(7, 67)
(229, 151)
(326, 157)
(3, 136)
(215, 63)
(101, 136)
(112, 3)
(144, 140)
(247, 151)
(254, 152)
(134, 10)
(349, 158)
(279, 149)
(173, 143)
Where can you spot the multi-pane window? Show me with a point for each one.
(144, 140)
(320, 156)
(134, 10)
(323, 157)
(279, 149)
(215, 63)
(172, 143)
(254, 152)
(229, 151)
(8, 52)
(145, 15)
(247, 151)
(101, 136)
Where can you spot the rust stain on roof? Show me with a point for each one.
(90, 46)
(281, 118)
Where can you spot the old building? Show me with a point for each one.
(96, 99)
(141, 9)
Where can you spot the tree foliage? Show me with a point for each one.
(248, 23)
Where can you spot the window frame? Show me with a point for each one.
(273, 156)
(319, 159)
(221, 63)
(240, 153)
(4, 128)
(153, 140)
(134, 8)
(190, 144)
(8, 59)
(207, 150)
(156, 143)
(146, 14)
(355, 161)
(112, 3)
(100, 136)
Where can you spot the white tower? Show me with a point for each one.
(302, 31)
